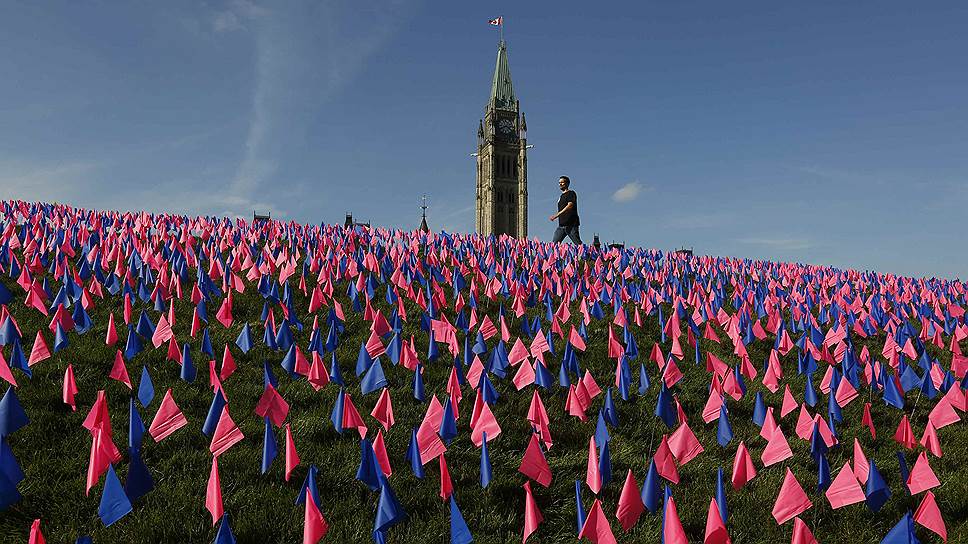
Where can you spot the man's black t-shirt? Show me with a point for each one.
(569, 218)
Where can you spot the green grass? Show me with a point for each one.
(53, 449)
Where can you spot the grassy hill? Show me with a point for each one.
(54, 448)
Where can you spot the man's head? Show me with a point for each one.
(563, 183)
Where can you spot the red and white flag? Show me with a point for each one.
(496, 22)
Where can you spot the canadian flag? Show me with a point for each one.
(496, 22)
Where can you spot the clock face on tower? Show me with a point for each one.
(506, 127)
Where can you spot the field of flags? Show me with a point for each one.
(198, 379)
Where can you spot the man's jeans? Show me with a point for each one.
(571, 232)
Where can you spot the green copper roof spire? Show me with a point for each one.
(502, 93)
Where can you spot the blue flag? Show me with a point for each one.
(269, 448)
(903, 532)
(146, 390)
(388, 511)
(413, 455)
(485, 462)
(139, 481)
(579, 507)
(136, 427)
(244, 341)
(224, 534)
(214, 413)
(650, 488)
(369, 471)
(724, 432)
(12, 415)
(337, 415)
(877, 491)
(114, 503)
(187, 366)
(459, 533)
(310, 484)
(721, 495)
(374, 379)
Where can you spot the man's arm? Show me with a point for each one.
(567, 207)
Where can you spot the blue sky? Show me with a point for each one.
(822, 132)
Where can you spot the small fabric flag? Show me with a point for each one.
(213, 493)
(114, 503)
(928, 515)
(459, 533)
(314, 524)
(791, 500)
(532, 516)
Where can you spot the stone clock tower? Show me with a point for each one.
(502, 159)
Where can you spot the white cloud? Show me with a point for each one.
(629, 192)
(227, 21)
(303, 56)
(235, 17)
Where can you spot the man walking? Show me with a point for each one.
(567, 215)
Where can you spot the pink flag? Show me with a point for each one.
(380, 452)
(861, 466)
(518, 352)
(111, 337)
(665, 463)
(119, 372)
(592, 476)
(485, 423)
(5, 371)
(351, 416)
(596, 528)
(845, 489)
(36, 537)
(532, 516)
(576, 340)
(524, 376)
(777, 449)
(383, 411)
(163, 332)
(292, 457)
(684, 445)
(789, 403)
(102, 455)
(213, 493)
(928, 515)
(801, 533)
(228, 365)
(271, 405)
(922, 477)
(904, 435)
(168, 419)
(743, 468)
(791, 500)
(39, 351)
(630, 505)
(446, 486)
(226, 435)
(318, 376)
(224, 314)
(69, 389)
(534, 465)
(868, 421)
(930, 440)
(943, 414)
(715, 528)
(672, 531)
(314, 524)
